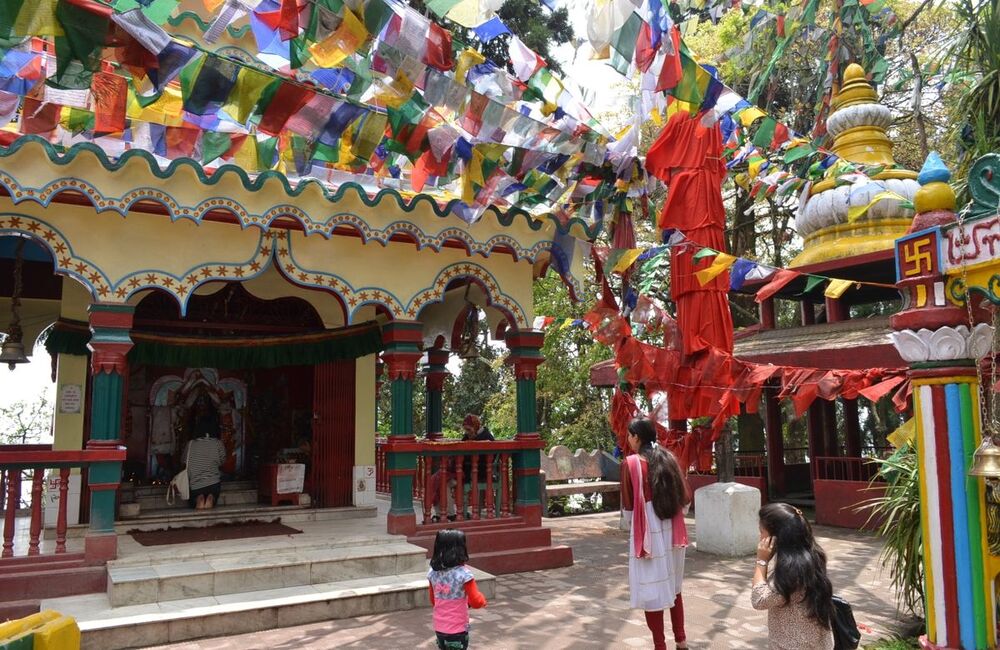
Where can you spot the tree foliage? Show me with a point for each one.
(24, 422)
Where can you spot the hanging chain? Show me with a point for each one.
(14, 330)
(987, 396)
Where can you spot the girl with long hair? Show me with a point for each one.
(797, 594)
(654, 495)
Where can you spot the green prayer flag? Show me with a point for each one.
(623, 43)
(765, 133)
(78, 51)
(326, 153)
(214, 144)
(705, 252)
(441, 7)
(796, 153)
(813, 281)
(266, 149)
(79, 120)
(156, 10)
(299, 55)
(377, 14)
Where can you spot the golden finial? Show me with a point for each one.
(855, 89)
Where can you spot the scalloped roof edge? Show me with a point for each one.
(253, 185)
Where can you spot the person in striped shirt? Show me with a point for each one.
(204, 458)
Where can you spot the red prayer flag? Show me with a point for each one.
(673, 70)
(288, 23)
(110, 95)
(438, 54)
(780, 135)
(644, 52)
(780, 279)
(38, 117)
(425, 167)
(285, 103)
(181, 142)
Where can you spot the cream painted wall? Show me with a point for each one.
(71, 370)
(364, 410)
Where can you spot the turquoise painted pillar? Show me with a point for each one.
(109, 344)
(435, 371)
(403, 342)
(525, 357)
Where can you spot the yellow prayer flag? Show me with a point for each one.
(904, 434)
(397, 93)
(342, 43)
(246, 155)
(566, 323)
(721, 263)
(467, 59)
(38, 19)
(467, 13)
(166, 110)
(212, 5)
(858, 211)
(748, 116)
(626, 260)
(836, 288)
(250, 84)
(753, 168)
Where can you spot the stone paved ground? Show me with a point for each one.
(586, 605)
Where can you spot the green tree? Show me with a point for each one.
(23, 422)
(538, 28)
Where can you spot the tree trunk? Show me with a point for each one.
(725, 458)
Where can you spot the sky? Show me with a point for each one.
(27, 381)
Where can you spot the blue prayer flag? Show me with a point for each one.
(490, 29)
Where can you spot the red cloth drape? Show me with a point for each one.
(688, 158)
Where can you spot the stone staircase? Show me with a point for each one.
(26, 580)
(338, 569)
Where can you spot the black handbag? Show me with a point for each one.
(846, 635)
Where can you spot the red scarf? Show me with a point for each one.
(640, 531)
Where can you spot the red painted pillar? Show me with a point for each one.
(767, 319)
(836, 310)
(853, 428)
(775, 443)
(814, 432)
(831, 439)
(808, 311)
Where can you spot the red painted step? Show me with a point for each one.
(21, 560)
(490, 540)
(523, 559)
(36, 584)
(18, 609)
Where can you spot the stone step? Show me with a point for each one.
(107, 628)
(170, 518)
(157, 502)
(224, 575)
(143, 491)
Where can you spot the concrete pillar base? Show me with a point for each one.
(726, 519)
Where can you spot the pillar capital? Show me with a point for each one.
(525, 352)
(403, 340)
(109, 337)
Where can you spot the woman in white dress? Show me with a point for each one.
(654, 496)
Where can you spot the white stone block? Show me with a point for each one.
(364, 485)
(725, 517)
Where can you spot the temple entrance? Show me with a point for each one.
(265, 416)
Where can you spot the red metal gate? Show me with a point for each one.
(333, 433)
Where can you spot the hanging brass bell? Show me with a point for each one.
(986, 460)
